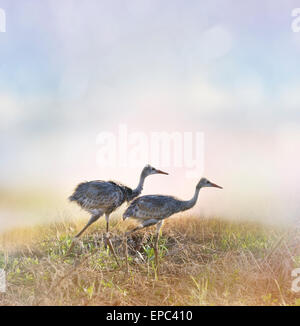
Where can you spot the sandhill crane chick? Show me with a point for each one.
(153, 209)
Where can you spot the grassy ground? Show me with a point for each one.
(202, 262)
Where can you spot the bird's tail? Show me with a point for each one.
(72, 198)
(78, 192)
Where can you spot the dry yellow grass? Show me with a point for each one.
(202, 262)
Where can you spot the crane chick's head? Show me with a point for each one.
(148, 170)
(206, 183)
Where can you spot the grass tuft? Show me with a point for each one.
(202, 262)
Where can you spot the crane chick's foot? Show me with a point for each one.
(140, 244)
(106, 237)
(74, 242)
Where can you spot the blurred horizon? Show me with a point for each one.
(71, 70)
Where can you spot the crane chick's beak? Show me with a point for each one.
(214, 185)
(161, 172)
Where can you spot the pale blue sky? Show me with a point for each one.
(71, 69)
(57, 52)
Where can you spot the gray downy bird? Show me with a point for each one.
(153, 209)
(103, 197)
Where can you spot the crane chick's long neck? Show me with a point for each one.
(137, 191)
(190, 203)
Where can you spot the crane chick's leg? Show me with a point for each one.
(92, 220)
(107, 222)
(141, 226)
(156, 251)
(126, 254)
(107, 228)
(108, 242)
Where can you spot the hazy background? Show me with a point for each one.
(72, 69)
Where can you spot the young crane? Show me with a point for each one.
(103, 197)
(153, 209)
